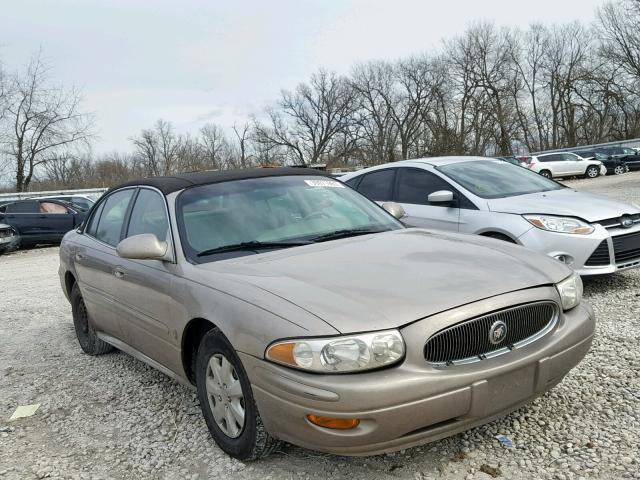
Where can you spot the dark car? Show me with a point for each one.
(628, 155)
(615, 166)
(9, 238)
(41, 221)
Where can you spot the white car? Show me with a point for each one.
(592, 234)
(565, 164)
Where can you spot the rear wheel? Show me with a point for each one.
(227, 403)
(546, 173)
(619, 170)
(87, 338)
(592, 172)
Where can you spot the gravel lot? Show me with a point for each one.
(114, 417)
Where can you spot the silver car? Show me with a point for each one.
(303, 312)
(592, 234)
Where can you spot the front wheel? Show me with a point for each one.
(619, 170)
(592, 172)
(227, 403)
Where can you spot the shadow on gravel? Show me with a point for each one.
(617, 282)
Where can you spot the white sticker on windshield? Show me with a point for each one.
(324, 183)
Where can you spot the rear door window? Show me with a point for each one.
(23, 207)
(378, 186)
(112, 218)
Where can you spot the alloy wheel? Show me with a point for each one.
(619, 170)
(592, 172)
(225, 396)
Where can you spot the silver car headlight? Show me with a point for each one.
(570, 290)
(552, 223)
(342, 354)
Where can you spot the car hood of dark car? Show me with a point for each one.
(390, 279)
(566, 202)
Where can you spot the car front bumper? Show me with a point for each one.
(578, 249)
(9, 243)
(414, 402)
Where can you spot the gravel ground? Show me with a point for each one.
(114, 417)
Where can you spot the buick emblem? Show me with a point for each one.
(497, 332)
(626, 222)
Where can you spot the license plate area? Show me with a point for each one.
(511, 388)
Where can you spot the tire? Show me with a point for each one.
(619, 170)
(546, 173)
(249, 441)
(592, 172)
(87, 338)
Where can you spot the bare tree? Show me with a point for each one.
(308, 119)
(158, 148)
(42, 120)
(619, 28)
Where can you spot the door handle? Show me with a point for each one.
(118, 272)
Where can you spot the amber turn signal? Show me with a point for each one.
(282, 352)
(334, 423)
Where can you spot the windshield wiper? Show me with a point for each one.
(347, 232)
(252, 245)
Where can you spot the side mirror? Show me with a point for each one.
(441, 196)
(145, 246)
(394, 209)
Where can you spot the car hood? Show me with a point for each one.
(390, 279)
(567, 202)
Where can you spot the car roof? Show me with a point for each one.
(173, 183)
(437, 161)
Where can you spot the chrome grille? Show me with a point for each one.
(468, 341)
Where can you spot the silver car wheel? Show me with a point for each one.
(619, 170)
(224, 392)
(592, 172)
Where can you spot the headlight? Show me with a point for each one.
(559, 224)
(350, 353)
(570, 291)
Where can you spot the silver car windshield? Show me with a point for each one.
(496, 179)
(277, 211)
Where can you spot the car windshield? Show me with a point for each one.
(247, 215)
(490, 179)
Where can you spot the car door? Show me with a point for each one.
(55, 219)
(96, 261)
(145, 287)
(575, 164)
(22, 215)
(413, 187)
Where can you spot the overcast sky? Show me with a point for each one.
(190, 62)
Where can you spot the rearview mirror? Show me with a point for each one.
(394, 209)
(145, 246)
(441, 196)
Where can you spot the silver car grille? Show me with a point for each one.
(469, 341)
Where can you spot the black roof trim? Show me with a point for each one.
(180, 181)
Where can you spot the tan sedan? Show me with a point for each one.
(303, 312)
